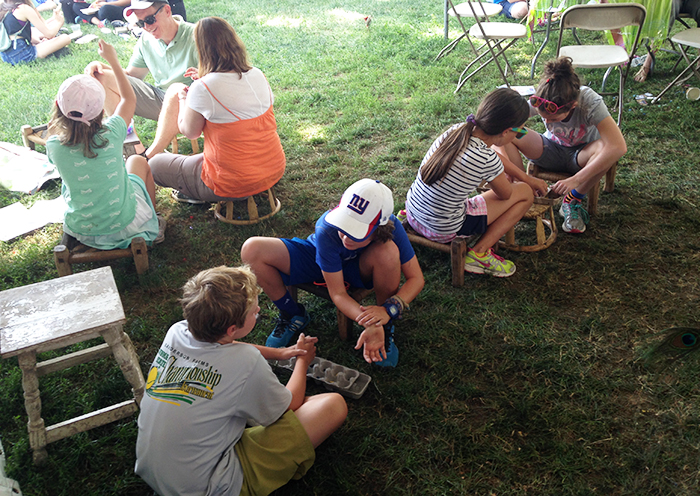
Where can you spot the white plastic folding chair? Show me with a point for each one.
(689, 38)
(602, 17)
(497, 38)
(463, 10)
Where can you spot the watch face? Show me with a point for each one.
(393, 311)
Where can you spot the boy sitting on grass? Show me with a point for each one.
(204, 387)
(361, 242)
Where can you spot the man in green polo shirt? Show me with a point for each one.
(166, 49)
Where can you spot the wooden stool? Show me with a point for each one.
(538, 211)
(253, 216)
(457, 250)
(71, 251)
(344, 323)
(61, 312)
(193, 142)
(593, 194)
(37, 135)
(32, 136)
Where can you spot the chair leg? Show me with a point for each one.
(458, 250)
(344, 325)
(252, 209)
(26, 132)
(610, 178)
(140, 252)
(539, 231)
(593, 199)
(61, 256)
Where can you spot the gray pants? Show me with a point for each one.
(183, 173)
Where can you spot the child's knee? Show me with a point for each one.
(250, 249)
(384, 254)
(525, 192)
(336, 408)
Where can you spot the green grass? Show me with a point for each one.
(531, 385)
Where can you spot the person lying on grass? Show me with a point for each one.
(205, 386)
(582, 138)
(359, 242)
(438, 205)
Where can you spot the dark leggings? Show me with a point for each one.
(71, 10)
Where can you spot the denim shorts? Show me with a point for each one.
(507, 7)
(20, 51)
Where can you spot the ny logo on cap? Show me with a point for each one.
(358, 204)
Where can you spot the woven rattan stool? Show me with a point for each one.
(224, 210)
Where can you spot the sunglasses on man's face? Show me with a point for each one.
(151, 19)
(548, 106)
(519, 132)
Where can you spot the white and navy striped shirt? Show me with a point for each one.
(441, 206)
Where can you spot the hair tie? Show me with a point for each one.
(471, 119)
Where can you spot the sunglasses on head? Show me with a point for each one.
(519, 132)
(549, 107)
(151, 19)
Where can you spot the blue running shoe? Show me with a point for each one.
(287, 327)
(392, 352)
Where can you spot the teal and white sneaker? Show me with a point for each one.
(490, 264)
(287, 327)
(575, 217)
(392, 352)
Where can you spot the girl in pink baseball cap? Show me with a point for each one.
(109, 203)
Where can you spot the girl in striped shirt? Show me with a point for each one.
(438, 205)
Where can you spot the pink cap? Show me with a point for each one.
(365, 205)
(83, 95)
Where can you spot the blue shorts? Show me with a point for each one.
(559, 158)
(20, 51)
(304, 269)
(507, 6)
(474, 224)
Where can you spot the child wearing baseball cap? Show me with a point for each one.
(360, 243)
(109, 203)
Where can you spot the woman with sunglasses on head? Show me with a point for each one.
(230, 101)
(438, 205)
(582, 138)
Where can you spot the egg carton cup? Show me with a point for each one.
(334, 377)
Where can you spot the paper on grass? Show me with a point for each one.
(86, 39)
(17, 219)
(24, 170)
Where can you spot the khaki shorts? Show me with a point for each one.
(149, 99)
(271, 456)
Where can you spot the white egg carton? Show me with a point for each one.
(346, 381)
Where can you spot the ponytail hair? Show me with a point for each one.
(499, 110)
(559, 83)
(72, 133)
